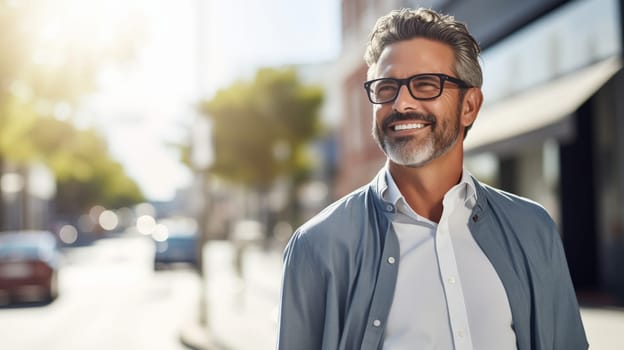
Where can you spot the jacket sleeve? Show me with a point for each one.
(568, 326)
(303, 297)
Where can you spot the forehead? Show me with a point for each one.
(415, 56)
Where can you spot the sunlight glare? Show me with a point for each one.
(65, 29)
(62, 111)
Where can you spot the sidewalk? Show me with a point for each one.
(604, 327)
(242, 313)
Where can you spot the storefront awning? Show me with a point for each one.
(544, 108)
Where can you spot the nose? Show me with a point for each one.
(404, 100)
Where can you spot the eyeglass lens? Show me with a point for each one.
(422, 86)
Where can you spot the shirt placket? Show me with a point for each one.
(452, 284)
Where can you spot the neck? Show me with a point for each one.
(424, 187)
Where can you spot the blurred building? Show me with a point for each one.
(552, 125)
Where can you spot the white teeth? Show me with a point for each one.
(408, 126)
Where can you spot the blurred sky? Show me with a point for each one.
(148, 103)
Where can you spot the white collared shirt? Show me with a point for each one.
(448, 295)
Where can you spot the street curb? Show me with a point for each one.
(195, 336)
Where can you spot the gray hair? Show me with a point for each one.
(405, 24)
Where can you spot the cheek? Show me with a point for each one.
(447, 102)
(379, 113)
(447, 108)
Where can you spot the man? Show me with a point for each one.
(426, 256)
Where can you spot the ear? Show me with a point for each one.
(471, 106)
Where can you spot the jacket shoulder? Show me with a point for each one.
(347, 211)
(336, 230)
(524, 219)
(515, 206)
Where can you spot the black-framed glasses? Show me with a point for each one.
(421, 86)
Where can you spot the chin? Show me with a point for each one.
(412, 162)
(415, 156)
(410, 157)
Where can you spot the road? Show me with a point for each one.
(110, 298)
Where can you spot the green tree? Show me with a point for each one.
(52, 52)
(86, 174)
(261, 128)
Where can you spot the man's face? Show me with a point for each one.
(414, 132)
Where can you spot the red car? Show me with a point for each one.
(29, 265)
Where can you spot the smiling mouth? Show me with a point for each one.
(407, 123)
(410, 126)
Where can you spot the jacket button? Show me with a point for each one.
(389, 207)
(376, 323)
(391, 260)
(475, 218)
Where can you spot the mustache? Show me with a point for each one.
(397, 116)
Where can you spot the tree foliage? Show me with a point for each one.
(261, 128)
(85, 172)
(51, 55)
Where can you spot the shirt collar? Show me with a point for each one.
(390, 191)
(470, 190)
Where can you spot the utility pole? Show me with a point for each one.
(201, 159)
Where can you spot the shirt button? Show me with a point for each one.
(451, 280)
(376, 323)
(461, 333)
(391, 260)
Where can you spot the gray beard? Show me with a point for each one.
(401, 152)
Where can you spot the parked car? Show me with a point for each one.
(176, 243)
(29, 266)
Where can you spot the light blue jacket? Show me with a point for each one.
(339, 278)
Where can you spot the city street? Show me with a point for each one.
(109, 299)
(112, 299)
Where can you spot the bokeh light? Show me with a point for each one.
(146, 224)
(161, 233)
(68, 234)
(11, 183)
(95, 212)
(108, 220)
